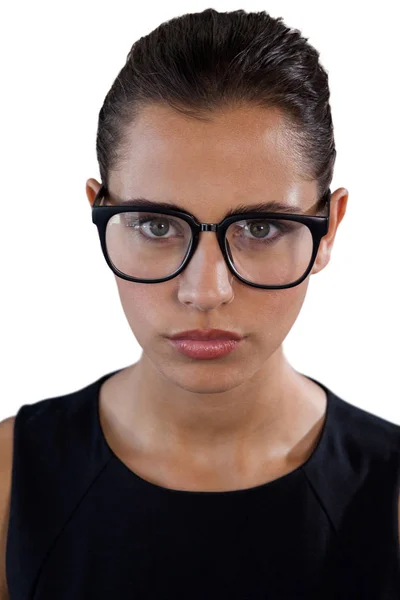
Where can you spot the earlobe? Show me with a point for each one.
(323, 256)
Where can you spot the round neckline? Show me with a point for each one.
(283, 480)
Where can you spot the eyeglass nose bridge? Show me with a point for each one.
(213, 227)
(208, 226)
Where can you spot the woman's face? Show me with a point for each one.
(241, 156)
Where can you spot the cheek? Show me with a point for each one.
(142, 305)
(276, 311)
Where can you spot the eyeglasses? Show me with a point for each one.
(269, 250)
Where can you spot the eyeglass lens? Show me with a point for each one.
(150, 246)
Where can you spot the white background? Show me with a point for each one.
(62, 325)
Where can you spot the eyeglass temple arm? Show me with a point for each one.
(99, 195)
(326, 199)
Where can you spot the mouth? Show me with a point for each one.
(205, 349)
(207, 335)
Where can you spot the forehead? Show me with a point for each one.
(235, 156)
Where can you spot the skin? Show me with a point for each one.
(249, 417)
(234, 422)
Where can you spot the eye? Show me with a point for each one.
(155, 226)
(259, 229)
(158, 226)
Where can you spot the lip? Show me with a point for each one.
(205, 349)
(204, 335)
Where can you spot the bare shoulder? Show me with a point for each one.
(6, 452)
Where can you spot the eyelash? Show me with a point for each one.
(281, 226)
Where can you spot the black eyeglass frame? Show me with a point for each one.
(318, 225)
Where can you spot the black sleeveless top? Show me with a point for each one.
(84, 526)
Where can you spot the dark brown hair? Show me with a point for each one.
(200, 62)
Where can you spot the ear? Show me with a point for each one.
(337, 211)
(92, 187)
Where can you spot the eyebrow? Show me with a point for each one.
(271, 206)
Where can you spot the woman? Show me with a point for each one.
(210, 468)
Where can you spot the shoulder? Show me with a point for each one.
(48, 434)
(58, 423)
(365, 432)
(6, 455)
(52, 414)
(55, 449)
(369, 437)
(6, 443)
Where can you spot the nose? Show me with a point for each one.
(206, 282)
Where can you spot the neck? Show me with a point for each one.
(205, 414)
